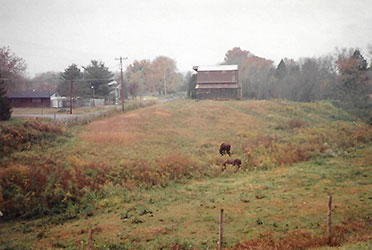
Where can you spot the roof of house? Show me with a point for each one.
(215, 68)
(31, 94)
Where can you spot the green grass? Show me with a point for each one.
(281, 189)
(280, 201)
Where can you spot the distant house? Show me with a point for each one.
(217, 82)
(34, 99)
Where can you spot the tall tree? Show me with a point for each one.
(190, 80)
(137, 75)
(256, 77)
(11, 69)
(163, 75)
(281, 70)
(354, 86)
(64, 87)
(236, 56)
(46, 81)
(97, 75)
(5, 107)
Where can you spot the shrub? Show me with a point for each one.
(19, 137)
(33, 191)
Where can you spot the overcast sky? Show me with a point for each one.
(51, 34)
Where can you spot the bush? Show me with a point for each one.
(33, 191)
(21, 136)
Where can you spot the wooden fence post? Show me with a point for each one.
(221, 231)
(90, 236)
(329, 222)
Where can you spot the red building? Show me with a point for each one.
(217, 82)
(30, 99)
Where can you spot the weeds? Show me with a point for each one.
(22, 136)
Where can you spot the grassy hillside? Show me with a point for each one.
(152, 178)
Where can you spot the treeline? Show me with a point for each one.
(344, 77)
(159, 76)
(142, 77)
(308, 79)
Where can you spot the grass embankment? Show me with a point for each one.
(152, 178)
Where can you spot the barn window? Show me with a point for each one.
(16, 100)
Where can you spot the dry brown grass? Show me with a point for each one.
(302, 239)
(165, 157)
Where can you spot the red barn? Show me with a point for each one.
(217, 82)
(30, 99)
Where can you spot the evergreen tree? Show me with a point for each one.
(74, 73)
(281, 70)
(354, 85)
(5, 107)
(97, 75)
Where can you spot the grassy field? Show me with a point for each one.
(155, 179)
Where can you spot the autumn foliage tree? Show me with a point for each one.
(137, 75)
(236, 56)
(255, 73)
(48, 81)
(163, 75)
(157, 76)
(12, 69)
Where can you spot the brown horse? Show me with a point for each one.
(225, 149)
(235, 162)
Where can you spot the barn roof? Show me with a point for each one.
(216, 68)
(31, 94)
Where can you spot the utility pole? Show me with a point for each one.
(71, 85)
(94, 98)
(122, 81)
